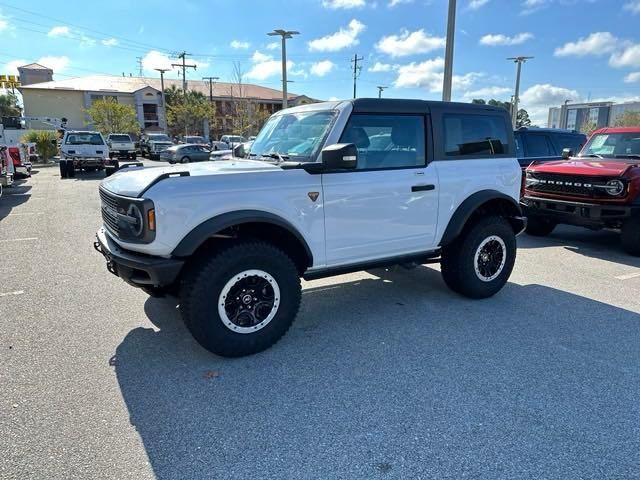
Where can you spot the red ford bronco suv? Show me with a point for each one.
(599, 188)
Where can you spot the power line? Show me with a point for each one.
(356, 72)
(184, 67)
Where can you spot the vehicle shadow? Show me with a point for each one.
(14, 196)
(395, 377)
(602, 244)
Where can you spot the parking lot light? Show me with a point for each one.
(285, 34)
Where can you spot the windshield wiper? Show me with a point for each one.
(276, 156)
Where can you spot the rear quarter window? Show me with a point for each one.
(472, 135)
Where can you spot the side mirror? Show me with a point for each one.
(239, 152)
(566, 153)
(341, 156)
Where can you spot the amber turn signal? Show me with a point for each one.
(151, 219)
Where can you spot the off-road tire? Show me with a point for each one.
(204, 282)
(630, 236)
(133, 156)
(458, 263)
(539, 226)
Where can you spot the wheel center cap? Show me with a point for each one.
(485, 257)
(246, 299)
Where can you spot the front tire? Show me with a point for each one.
(630, 236)
(242, 300)
(479, 263)
(539, 226)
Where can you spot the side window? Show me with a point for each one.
(387, 141)
(537, 146)
(519, 149)
(471, 135)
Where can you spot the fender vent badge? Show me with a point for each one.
(313, 196)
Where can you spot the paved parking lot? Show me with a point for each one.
(385, 374)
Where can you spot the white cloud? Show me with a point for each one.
(154, 59)
(12, 67)
(410, 43)
(238, 45)
(633, 6)
(628, 57)
(322, 68)
(3, 24)
(57, 64)
(429, 74)
(489, 93)
(633, 77)
(343, 4)
(273, 46)
(393, 3)
(538, 98)
(381, 67)
(598, 43)
(259, 57)
(87, 42)
(343, 38)
(59, 31)
(110, 42)
(530, 6)
(476, 4)
(499, 39)
(264, 66)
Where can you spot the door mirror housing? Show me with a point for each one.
(341, 156)
(566, 153)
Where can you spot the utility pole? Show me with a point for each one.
(380, 89)
(356, 73)
(164, 102)
(184, 67)
(285, 34)
(211, 82)
(516, 98)
(448, 54)
(139, 60)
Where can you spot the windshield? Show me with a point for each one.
(296, 135)
(84, 139)
(194, 139)
(159, 138)
(612, 145)
(120, 138)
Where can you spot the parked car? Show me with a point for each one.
(185, 154)
(545, 144)
(233, 238)
(87, 149)
(21, 166)
(599, 188)
(194, 140)
(151, 144)
(215, 146)
(232, 140)
(121, 146)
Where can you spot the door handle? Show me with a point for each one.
(423, 188)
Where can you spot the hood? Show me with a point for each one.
(130, 183)
(583, 166)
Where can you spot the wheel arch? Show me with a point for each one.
(254, 224)
(479, 204)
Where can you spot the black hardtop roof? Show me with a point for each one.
(396, 105)
(550, 130)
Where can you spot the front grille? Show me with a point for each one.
(574, 185)
(109, 208)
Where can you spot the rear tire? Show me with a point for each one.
(479, 263)
(185, 160)
(242, 300)
(630, 236)
(539, 226)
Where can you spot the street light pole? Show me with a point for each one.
(448, 55)
(380, 89)
(285, 34)
(516, 98)
(164, 103)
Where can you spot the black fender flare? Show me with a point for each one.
(200, 234)
(471, 204)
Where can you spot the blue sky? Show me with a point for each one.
(583, 49)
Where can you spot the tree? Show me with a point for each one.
(628, 119)
(9, 106)
(109, 116)
(187, 113)
(588, 127)
(45, 140)
(523, 119)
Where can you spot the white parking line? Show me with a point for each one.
(17, 292)
(27, 239)
(629, 276)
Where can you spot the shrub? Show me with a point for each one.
(45, 140)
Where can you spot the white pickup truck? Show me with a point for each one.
(87, 149)
(317, 197)
(121, 146)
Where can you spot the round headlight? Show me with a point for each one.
(615, 187)
(134, 212)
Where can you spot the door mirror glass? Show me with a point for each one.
(341, 156)
(566, 153)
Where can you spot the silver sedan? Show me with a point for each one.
(185, 154)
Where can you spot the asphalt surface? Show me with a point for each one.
(384, 375)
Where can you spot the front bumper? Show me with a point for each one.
(578, 213)
(137, 269)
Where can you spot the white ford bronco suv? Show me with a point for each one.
(327, 188)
